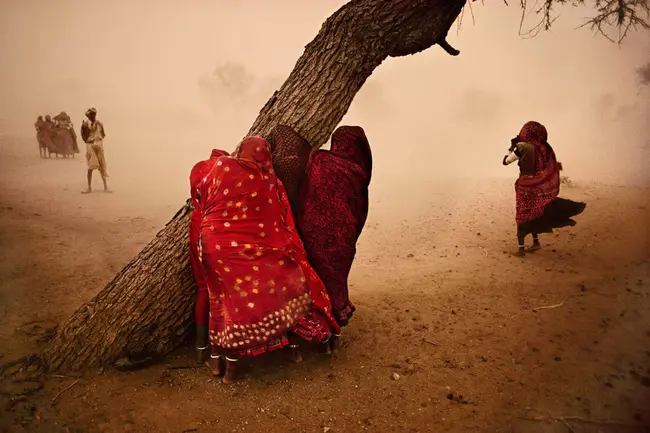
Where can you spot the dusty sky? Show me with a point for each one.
(140, 64)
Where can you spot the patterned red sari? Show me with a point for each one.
(333, 210)
(198, 172)
(539, 179)
(259, 282)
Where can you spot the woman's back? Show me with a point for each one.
(244, 200)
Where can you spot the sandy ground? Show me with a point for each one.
(446, 338)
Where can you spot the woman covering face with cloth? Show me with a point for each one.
(539, 209)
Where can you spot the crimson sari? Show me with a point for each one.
(198, 172)
(333, 211)
(259, 282)
(539, 179)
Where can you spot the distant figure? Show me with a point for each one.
(65, 136)
(290, 156)
(48, 137)
(92, 133)
(539, 209)
(202, 307)
(40, 126)
(333, 210)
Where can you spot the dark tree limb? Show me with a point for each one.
(350, 45)
(147, 308)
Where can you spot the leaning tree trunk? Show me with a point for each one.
(147, 307)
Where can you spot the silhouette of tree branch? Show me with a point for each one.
(611, 15)
(620, 14)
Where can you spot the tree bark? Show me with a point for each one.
(147, 308)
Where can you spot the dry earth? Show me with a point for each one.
(446, 338)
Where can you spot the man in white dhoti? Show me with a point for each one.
(92, 133)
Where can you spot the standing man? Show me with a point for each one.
(92, 133)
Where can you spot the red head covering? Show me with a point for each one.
(255, 149)
(216, 153)
(351, 143)
(199, 171)
(533, 132)
(290, 156)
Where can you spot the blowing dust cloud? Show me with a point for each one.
(448, 322)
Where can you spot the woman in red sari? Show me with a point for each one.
(260, 284)
(539, 209)
(333, 210)
(202, 308)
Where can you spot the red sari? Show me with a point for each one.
(198, 172)
(259, 282)
(333, 210)
(539, 179)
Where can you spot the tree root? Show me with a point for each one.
(28, 369)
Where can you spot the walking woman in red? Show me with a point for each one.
(202, 308)
(539, 209)
(261, 287)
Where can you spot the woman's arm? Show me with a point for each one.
(520, 150)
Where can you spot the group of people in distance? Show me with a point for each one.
(273, 235)
(57, 135)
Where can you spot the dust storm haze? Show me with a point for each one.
(148, 69)
(440, 299)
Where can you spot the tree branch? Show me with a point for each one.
(622, 15)
(373, 30)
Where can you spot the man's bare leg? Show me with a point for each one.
(90, 182)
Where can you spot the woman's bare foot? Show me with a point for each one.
(214, 364)
(231, 371)
(294, 354)
(86, 191)
(335, 343)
